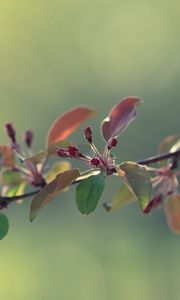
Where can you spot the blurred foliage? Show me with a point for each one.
(56, 54)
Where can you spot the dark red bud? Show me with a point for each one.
(112, 143)
(88, 134)
(11, 132)
(95, 161)
(28, 137)
(62, 152)
(73, 151)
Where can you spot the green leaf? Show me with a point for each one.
(88, 193)
(138, 181)
(4, 226)
(11, 177)
(123, 196)
(51, 190)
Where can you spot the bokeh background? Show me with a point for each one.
(55, 54)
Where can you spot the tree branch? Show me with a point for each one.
(4, 201)
(175, 155)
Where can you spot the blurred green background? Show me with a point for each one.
(56, 54)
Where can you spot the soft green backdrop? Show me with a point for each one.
(55, 54)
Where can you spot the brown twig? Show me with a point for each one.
(154, 159)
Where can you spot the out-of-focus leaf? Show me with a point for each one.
(58, 168)
(172, 211)
(175, 147)
(52, 148)
(7, 159)
(67, 123)
(123, 196)
(51, 190)
(138, 181)
(168, 143)
(10, 177)
(119, 118)
(13, 184)
(20, 191)
(36, 159)
(88, 193)
(15, 190)
(4, 226)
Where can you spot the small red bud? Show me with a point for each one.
(112, 143)
(95, 161)
(62, 152)
(73, 151)
(28, 137)
(11, 132)
(88, 134)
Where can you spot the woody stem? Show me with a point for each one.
(154, 159)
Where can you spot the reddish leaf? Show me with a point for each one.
(67, 123)
(172, 210)
(119, 118)
(8, 159)
(51, 190)
(155, 202)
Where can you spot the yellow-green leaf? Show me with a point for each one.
(138, 181)
(57, 168)
(175, 147)
(123, 196)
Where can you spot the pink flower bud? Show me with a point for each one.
(88, 134)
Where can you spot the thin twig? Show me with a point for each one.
(175, 155)
(160, 157)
